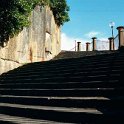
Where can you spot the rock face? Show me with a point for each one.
(39, 42)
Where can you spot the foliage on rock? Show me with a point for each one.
(14, 14)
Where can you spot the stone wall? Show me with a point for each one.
(39, 42)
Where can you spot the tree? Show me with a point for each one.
(60, 10)
(14, 14)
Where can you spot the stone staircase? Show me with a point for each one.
(72, 54)
(85, 90)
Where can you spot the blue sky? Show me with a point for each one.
(90, 18)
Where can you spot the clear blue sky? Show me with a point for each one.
(88, 17)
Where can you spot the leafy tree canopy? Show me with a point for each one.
(14, 14)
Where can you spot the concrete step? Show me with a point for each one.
(85, 60)
(63, 85)
(75, 102)
(74, 62)
(76, 92)
(61, 70)
(64, 65)
(73, 54)
(6, 122)
(66, 79)
(38, 69)
(64, 74)
(22, 120)
(70, 54)
(62, 114)
(62, 109)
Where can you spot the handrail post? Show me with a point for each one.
(78, 46)
(87, 46)
(111, 43)
(75, 45)
(121, 36)
(94, 43)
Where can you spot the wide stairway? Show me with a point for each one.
(85, 90)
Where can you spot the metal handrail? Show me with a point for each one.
(116, 42)
(102, 45)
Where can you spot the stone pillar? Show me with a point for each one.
(87, 46)
(78, 46)
(111, 43)
(121, 36)
(94, 43)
